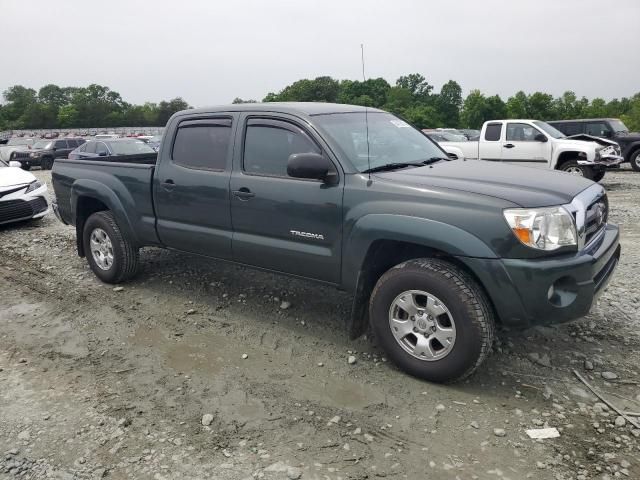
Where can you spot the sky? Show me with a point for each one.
(211, 51)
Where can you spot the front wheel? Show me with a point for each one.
(597, 176)
(25, 166)
(574, 168)
(111, 256)
(47, 163)
(635, 160)
(432, 319)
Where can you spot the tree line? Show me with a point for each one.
(411, 97)
(71, 107)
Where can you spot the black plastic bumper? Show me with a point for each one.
(559, 289)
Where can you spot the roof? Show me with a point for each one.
(583, 120)
(305, 108)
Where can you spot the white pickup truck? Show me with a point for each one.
(538, 144)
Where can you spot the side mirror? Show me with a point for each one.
(311, 166)
(102, 154)
(13, 163)
(541, 138)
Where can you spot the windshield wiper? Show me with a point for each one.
(393, 166)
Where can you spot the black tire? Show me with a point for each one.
(25, 166)
(573, 167)
(634, 160)
(597, 176)
(47, 163)
(125, 254)
(465, 300)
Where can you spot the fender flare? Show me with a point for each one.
(116, 204)
(368, 229)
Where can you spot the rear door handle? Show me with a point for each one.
(244, 194)
(168, 184)
(509, 145)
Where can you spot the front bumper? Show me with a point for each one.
(528, 292)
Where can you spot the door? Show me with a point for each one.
(279, 222)
(191, 188)
(61, 149)
(490, 146)
(524, 146)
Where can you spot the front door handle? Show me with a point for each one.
(244, 194)
(509, 145)
(168, 184)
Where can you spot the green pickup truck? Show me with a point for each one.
(435, 252)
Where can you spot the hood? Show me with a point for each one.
(12, 176)
(630, 136)
(581, 137)
(525, 186)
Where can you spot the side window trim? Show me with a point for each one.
(284, 124)
(223, 121)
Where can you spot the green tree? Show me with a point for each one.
(517, 105)
(416, 84)
(448, 103)
(240, 100)
(67, 116)
(473, 109)
(320, 89)
(166, 109)
(540, 106)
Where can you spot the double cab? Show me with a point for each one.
(435, 252)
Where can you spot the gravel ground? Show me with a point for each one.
(200, 369)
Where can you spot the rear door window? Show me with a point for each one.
(597, 129)
(203, 144)
(493, 132)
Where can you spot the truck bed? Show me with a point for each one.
(130, 176)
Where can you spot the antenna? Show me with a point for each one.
(366, 115)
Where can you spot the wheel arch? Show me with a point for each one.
(89, 197)
(378, 244)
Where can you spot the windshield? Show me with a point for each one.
(618, 126)
(548, 129)
(43, 144)
(20, 141)
(391, 140)
(130, 148)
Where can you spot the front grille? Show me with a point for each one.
(596, 218)
(20, 155)
(12, 210)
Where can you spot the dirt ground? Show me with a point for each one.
(97, 382)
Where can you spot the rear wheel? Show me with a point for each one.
(574, 168)
(111, 256)
(635, 160)
(432, 319)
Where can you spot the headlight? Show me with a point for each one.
(542, 228)
(33, 186)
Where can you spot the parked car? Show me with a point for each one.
(45, 152)
(444, 136)
(13, 145)
(110, 147)
(435, 252)
(22, 196)
(154, 142)
(106, 136)
(470, 133)
(538, 144)
(611, 128)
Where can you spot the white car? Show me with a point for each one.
(15, 144)
(22, 196)
(537, 144)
